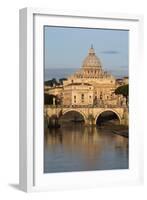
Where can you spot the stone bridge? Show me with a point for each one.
(121, 112)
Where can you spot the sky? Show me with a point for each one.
(66, 47)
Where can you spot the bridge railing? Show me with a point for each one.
(84, 106)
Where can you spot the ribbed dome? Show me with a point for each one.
(91, 60)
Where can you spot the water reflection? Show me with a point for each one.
(74, 147)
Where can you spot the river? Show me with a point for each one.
(74, 147)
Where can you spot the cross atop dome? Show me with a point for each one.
(91, 50)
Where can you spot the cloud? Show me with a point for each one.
(110, 52)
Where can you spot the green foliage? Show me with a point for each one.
(61, 80)
(53, 82)
(48, 99)
(124, 90)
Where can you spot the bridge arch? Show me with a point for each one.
(108, 110)
(76, 111)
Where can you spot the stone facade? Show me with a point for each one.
(90, 85)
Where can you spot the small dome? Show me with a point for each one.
(92, 60)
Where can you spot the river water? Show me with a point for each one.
(74, 147)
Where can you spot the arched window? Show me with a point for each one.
(74, 99)
(101, 95)
(82, 98)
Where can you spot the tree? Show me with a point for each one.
(51, 82)
(61, 80)
(55, 82)
(48, 99)
(124, 90)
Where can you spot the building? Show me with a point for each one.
(89, 86)
(122, 81)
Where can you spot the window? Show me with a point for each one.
(101, 95)
(82, 98)
(74, 99)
